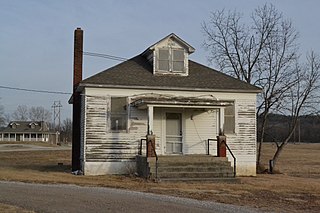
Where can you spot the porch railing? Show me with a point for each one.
(234, 160)
(230, 151)
(208, 145)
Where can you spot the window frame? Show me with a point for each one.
(124, 115)
(171, 59)
(227, 130)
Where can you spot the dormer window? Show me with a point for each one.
(169, 56)
(33, 125)
(171, 60)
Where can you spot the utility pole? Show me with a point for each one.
(56, 115)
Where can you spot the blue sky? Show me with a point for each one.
(36, 37)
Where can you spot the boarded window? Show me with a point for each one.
(119, 115)
(229, 119)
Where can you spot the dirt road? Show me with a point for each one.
(71, 198)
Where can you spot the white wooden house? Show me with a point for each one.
(26, 131)
(162, 92)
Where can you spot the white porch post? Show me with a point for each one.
(221, 119)
(150, 120)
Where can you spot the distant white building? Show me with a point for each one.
(26, 131)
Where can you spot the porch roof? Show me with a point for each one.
(177, 101)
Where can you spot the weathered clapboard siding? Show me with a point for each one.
(82, 131)
(105, 146)
(96, 120)
(243, 142)
(110, 152)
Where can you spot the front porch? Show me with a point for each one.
(41, 137)
(182, 125)
(184, 139)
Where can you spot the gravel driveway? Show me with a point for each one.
(71, 198)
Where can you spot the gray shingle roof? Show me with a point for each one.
(137, 72)
(24, 127)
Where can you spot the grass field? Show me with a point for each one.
(297, 189)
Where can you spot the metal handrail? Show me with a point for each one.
(208, 146)
(234, 159)
(140, 146)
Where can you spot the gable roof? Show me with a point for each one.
(173, 36)
(25, 127)
(137, 73)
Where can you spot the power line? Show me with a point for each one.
(112, 57)
(34, 90)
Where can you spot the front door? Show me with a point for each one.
(173, 133)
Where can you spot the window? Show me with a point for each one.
(164, 59)
(229, 119)
(171, 60)
(178, 60)
(119, 115)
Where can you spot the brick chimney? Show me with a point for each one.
(76, 113)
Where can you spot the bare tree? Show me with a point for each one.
(235, 47)
(66, 130)
(39, 113)
(301, 98)
(21, 113)
(275, 69)
(2, 116)
(263, 53)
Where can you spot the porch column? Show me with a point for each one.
(221, 119)
(150, 120)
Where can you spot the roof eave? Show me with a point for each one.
(82, 85)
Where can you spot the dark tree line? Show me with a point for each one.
(306, 131)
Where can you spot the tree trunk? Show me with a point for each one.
(282, 145)
(263, 127)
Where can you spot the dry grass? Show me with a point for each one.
(4, 208)
(296, 190)
(37, 143)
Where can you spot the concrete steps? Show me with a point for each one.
(190, 168)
